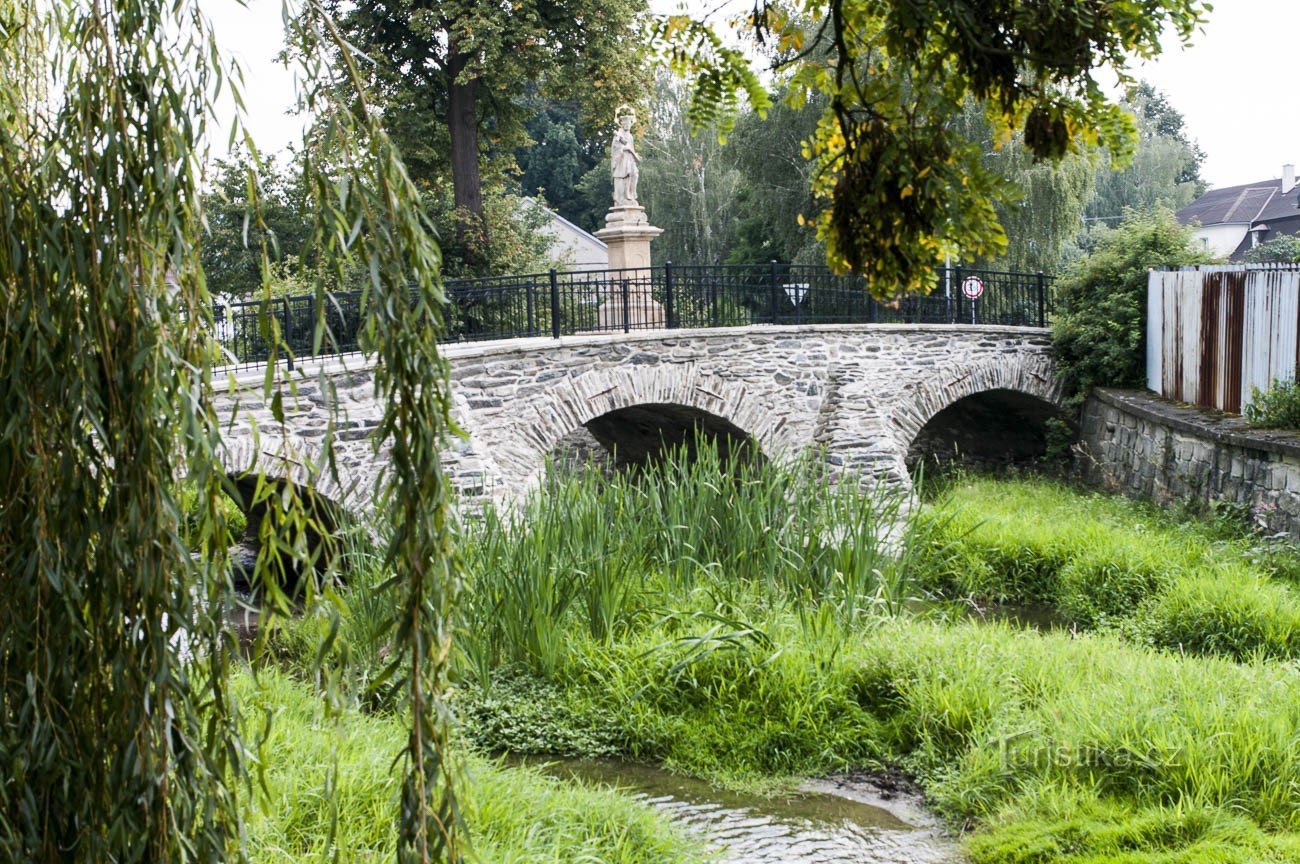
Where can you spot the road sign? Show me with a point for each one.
(796, 291)
(972, 287)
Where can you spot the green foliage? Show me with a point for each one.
(251, 207)
(564, 163)
(1280, 250)
(1045, 202)
(1278, 407)
(116, 736)
(452, 75)
(901, 187)
(774, 183)
(1099, 322)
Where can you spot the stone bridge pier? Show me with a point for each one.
(872, 397)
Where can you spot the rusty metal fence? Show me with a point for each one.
(556, 304)
(1215, 333)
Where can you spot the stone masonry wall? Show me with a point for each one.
(861, 391)
(1144, 446)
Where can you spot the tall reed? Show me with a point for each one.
(591, 554)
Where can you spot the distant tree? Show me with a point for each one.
(240, 225)
(1042, 206)
(559, 156)
(1165, 168)
(773, 189)
(688, 186)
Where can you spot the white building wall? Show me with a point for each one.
(1222, 239)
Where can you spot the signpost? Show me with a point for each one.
(973, 288)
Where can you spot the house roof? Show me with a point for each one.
(1247, 204)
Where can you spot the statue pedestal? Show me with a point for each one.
(628, 236)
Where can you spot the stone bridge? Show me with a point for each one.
(871, 397)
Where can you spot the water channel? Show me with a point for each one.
(841, 820)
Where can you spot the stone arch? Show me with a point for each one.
(1015, 383)
(542, 421)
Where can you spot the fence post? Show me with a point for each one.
(288, 331)
(555, 304)
(627, 301)
(532, 308)
(1042, 300)
(958, 293)
(775, 288)
(668, 295)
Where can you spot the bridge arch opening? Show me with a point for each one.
(641, 435)
(322, 533)
(991, 429)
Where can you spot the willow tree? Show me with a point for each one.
(900, 187)
(118, 737)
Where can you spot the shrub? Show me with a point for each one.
(1278, 407)
(1099, 326)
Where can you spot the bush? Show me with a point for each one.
(1099, 326)
(1276, 408)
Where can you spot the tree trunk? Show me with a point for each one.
(462, 122)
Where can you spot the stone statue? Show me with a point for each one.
(623, 159)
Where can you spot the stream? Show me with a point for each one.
(839, 820)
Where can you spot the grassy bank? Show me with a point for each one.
(514, 814)
(1194, 585)
(752, 627)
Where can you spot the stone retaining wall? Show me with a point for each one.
(1144, 446)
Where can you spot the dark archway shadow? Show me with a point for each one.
(640, 435)
(991, 430)
(322, 533)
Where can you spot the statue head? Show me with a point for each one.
(625, 116)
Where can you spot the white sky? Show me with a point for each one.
(1232, 85)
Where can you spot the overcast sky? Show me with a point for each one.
(1232, 85)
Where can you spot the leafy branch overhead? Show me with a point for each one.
(898, 186)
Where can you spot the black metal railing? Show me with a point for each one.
(673, 296)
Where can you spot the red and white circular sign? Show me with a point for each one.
(972, 287)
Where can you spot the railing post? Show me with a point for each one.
(713, 302)
(1042, 300)
(668, 295)
(532, 308)
(958, 293)
(555, 304)
(775, 288)
(288, 330)
(627, 300)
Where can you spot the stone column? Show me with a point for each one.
(628, 236)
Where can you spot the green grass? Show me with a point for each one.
(752, 629)
(1099, 560)
(514, 814)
